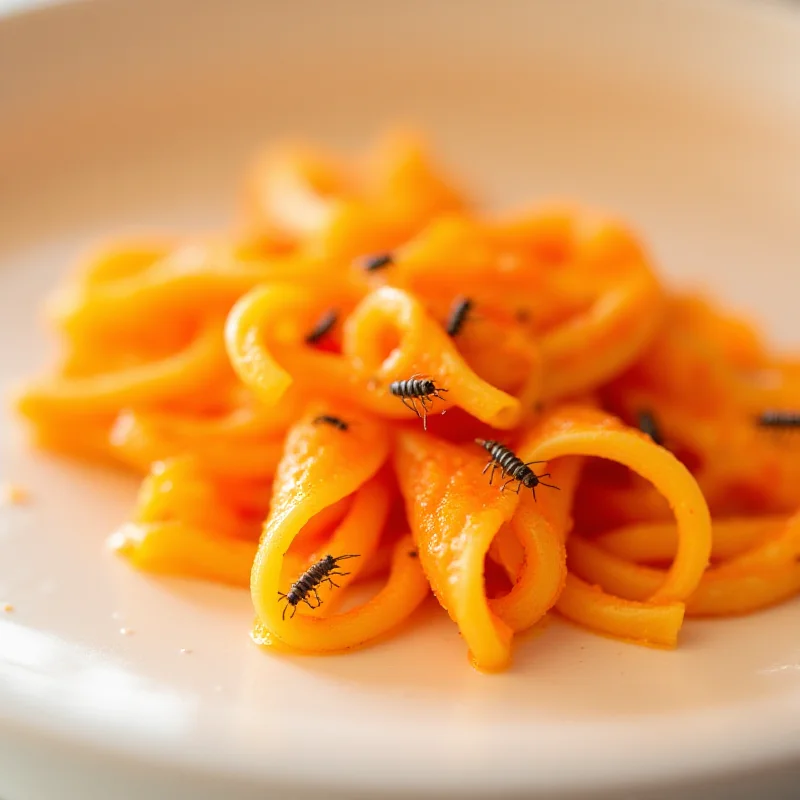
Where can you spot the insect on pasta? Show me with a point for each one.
(513, 466)
(377, 262)
(647, 424)
(309, 581)
(328, 419)
(417, 388)
(459, 312)
(779, 419)
(323, 326)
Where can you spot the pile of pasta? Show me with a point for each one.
(206, 363)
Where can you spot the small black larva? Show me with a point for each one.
(779, 419)
(512, 466)
(308, 582)
(323, 327)
(647, 424)
(417, 388)
(376, 262)
(459, 312)
(328, 419)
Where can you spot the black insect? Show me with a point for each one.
(376, 262)
(512, 466)
(779, 419)
(458, 315)
(647, 424)
(308, 582)
(323, 327)
(416, 388)
(327, 419)
(415, 554)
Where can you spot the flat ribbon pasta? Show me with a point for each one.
(182, 526)
(265, 337)
(322, 465)
(196, 367)
(342, 210)
(765, 573)
(253, 433)
(586, 431)
(455, 517)
(389, 337)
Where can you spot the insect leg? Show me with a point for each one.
(549, 485)
(410, 404)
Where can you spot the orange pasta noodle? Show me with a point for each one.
(735, 341)
(778, 384)
(191, 282)
(359, 533)
(106, 264)
(245, 441)
(554, 507)
(265, 337)
(291, 188)
(341, 211)
(575, 430)
(723, 359)
(461, 255)
(532, 549)
(585, 431)
(455, 515)
(59, 433)
(457, 518)
(197, 366)
(642, 623)
(322, 465)
(766, 573)
(739, 467)
(389, 337)
(595, 312)
(178, 489)
(595, 346)
(114, 259)
(506, 356)
(182, 549)
(182, 527)
(657, 542)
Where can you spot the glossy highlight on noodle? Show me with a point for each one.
(264, 382)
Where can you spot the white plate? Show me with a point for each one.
(683, 116)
